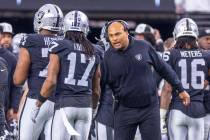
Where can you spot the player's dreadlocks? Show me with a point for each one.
(185, 41)
(79, 37)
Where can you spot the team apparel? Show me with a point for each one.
(74, 89)
(37, 46)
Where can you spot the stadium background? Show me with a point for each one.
(158, 13)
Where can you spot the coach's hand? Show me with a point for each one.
(34, 113)
(185, 98)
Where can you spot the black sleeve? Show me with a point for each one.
(15, 96)
(165, 71)
(159, 47)
(15, 91)
(105, 76)
(98, 60)
(103, 73)
(99, 49)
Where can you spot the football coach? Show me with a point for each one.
(128, 68)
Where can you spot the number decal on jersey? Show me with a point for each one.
(83, 81)
(53, 45)
(43, 73)
(45, 51)
(23, 40)
(166, 55)
(195, 74)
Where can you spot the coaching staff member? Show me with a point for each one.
(128, 67)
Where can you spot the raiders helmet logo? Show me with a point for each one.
(40, 15)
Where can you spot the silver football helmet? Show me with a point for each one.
(49, 17)
(103, 34)
(185, 27)
(16, 42)
(104, 37)
(76, 21)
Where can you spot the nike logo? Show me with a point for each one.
(3, 69)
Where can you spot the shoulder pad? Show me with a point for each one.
(29, 40)
(60, 46)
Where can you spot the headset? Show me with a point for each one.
(124, 23)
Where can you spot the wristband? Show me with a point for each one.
(41, 98)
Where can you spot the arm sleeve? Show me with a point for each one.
(165, 71)
(105, 76)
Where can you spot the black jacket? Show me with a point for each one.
(130, 73)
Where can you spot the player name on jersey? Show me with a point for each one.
(191, 53)
(49, 40)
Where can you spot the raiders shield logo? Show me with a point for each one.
(138, 57)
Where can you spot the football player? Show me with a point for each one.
(165, 95)
(191, 65)
(32, 66)
(74, 66)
